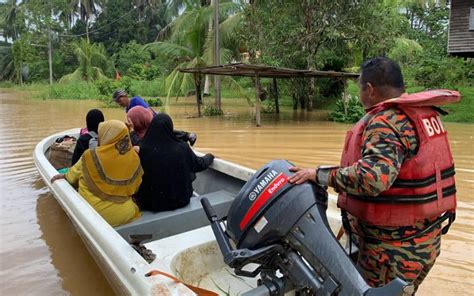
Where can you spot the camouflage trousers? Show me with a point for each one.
(381, 260)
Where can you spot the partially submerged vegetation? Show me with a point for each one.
(156, 95)
(142, 52)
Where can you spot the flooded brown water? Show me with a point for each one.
(41, 254)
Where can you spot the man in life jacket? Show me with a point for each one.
(396, 177)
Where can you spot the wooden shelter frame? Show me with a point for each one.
(261, 71)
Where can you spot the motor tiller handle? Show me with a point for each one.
(208, 209)
(221, 237)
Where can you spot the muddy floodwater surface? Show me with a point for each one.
(41, 254)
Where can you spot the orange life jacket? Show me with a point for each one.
(425, 186)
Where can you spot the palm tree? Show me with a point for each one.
(7, 64)
(148, 6)
(92, 62)
(190, 44)
(85, 8)
(11, 18)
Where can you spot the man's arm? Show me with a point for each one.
(388, 139)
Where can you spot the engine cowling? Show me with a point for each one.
(268, 206)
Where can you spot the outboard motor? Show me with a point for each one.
(283, 229)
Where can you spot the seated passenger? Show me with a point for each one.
(168, 166)
(89, 139)
(109, 174)
(120, 96)
(138, 121)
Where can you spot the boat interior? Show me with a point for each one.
(183, 240)
(219, 188)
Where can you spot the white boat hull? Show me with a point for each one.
(124, 268)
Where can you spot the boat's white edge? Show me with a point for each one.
(244, 173)
(122, 266)
(104, 242)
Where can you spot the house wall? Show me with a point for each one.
(461, 39)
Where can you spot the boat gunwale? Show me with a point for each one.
(123, 267)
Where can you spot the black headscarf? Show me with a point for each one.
(160, 131)
(93, 118)
(168, 164)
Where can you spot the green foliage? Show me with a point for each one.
(115, 34)
(6, 84)
(269, 106)
(106, 87)
(154, 102)
(464, 110)
(74, 91)
(141, 88)
(190, 45)
(22, 53)
(211, 110)
(436, 72)
(405, 51)
(143, 71)
(148, 88)
(92, 62)
(324, 35)
(129, 56)
(355, 111)
(427, 25)
(7, 66)
(64, 59)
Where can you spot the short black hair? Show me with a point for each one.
(93, 118)
(381, 72)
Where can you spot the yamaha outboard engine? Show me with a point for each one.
(283, 229)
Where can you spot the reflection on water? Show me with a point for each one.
(69, 257)
(41, 254)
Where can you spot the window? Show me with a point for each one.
(471, 20)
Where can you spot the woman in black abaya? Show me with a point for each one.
(168, 166)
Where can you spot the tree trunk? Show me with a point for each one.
(207, 80)
(87, 29)
(217, 55)
(345, 98)
(21, 74)
(50, 59)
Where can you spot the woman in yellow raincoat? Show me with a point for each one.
(109, 175)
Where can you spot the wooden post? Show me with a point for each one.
(275, 87)
(197, 83)
(312, 92)
(257, 99)
(295, 101)
(345, 98)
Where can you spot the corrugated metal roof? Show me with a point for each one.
(248, 70)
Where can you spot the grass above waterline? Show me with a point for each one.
(461, 112)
